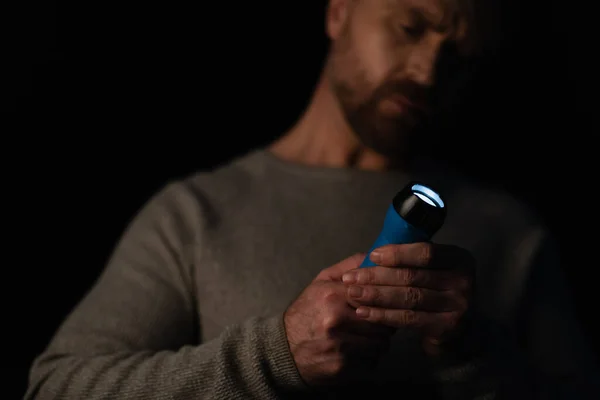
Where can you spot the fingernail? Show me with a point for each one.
(362, 312)
(434, 341)
(376, 256)
(355, 291)
(349, 277)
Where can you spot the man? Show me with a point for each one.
(242, 283)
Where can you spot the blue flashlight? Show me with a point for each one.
(417, 212)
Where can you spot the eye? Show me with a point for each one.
(413, 30)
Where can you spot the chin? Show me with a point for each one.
(390, 137)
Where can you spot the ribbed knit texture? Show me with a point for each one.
(190, 305)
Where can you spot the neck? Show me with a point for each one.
(322, 137)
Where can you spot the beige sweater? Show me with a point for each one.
(190, 305)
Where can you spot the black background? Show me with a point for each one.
(103, 103)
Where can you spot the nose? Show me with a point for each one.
(423, 58)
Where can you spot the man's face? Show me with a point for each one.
(383, 61)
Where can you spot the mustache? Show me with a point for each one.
(416, 95)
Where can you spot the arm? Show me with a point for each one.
(561, 362)
(546, 358)
(134, 335)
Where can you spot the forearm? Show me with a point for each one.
(517, 378)
(250, 361)
(497, 369)
(131, 337)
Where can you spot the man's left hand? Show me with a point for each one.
(422, 285)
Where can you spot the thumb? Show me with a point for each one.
(335, 272)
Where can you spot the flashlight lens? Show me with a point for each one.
(428, 195)
(425, 199)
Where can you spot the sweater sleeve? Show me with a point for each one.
(556, 354)
(544, 356)
(135, 334)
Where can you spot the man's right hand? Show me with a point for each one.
(329, 343)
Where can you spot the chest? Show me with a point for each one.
(257, 265)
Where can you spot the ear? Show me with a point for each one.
(336, 17)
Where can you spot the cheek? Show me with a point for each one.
(376, 57)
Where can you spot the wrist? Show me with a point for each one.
(284, 372)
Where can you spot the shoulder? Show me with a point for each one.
(496, 206)
(501, 226)
(196, 202)
(487, 206)
(501, 220)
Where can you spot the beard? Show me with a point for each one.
(392, 135)
(362, 102)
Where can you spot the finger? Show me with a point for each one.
(335, 272)
(349, 323)
(452, 326)
(432, 346)
(421, 320)
(407, 298)
(341, 317)
(422, 255)
(417, 277)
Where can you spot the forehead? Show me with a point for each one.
(457, 15)
(435, 10)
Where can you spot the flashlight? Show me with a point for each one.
(417, 212)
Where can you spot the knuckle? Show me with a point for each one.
(409, 318)
(336, 366)
(365, 276)
(396, 256)
(331, 322)
(406, 276)
(323, 275)
(410, 275)
(386, 316)
(414, 297)
(371, 294)
(425, 255)
(332, 346)
(329, 294)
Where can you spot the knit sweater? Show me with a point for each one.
(191, 302)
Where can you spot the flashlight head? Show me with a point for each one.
(421, 206)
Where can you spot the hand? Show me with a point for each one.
(330, 344)
(422, 286)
